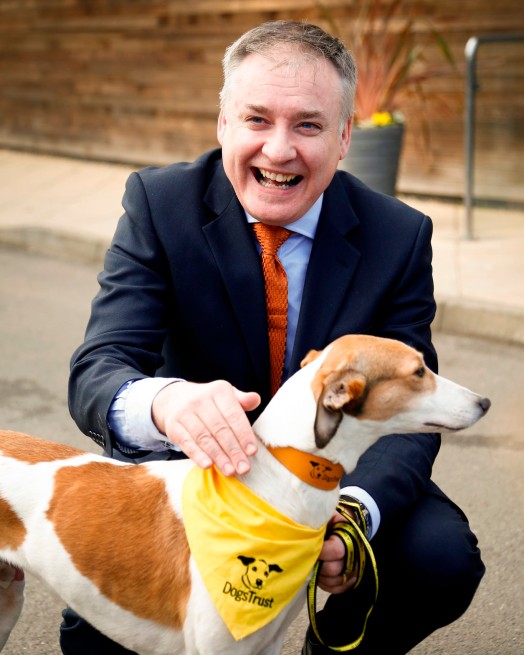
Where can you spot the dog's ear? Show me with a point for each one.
(246, 561)
(342, 391)
(275, 567)
(310, 357)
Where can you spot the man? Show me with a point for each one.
(176, 355)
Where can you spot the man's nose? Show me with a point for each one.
(279, 146)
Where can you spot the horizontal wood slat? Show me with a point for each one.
(138, 81)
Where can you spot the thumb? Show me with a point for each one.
(248, 400)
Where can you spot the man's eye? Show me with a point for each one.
(309, 128)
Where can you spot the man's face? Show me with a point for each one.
(280, 135)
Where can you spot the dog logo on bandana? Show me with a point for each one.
(257, 572)
(254, 578)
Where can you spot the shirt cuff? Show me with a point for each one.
(130, 419)
(367, 500)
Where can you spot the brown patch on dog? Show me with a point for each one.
(12, 532)
(31, 450)
(131, 544)
(394, 375)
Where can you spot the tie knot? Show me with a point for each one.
(270, 237)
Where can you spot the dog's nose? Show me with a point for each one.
(485, 404)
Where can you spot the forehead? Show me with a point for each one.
(293, 71)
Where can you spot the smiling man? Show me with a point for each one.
(175, 361)
(283, 131)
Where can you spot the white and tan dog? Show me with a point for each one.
(109, 538)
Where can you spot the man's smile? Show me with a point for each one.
(272, 180)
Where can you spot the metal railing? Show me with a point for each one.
(472, 86)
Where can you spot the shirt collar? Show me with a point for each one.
(306, 225)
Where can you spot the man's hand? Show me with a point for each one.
(208, 422)
(332, 555)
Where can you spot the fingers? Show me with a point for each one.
(208, 422)
(337, 585)
(215, 430)
(333, 578)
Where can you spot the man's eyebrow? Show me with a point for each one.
(308, 115)
(301, 115)
(257, 109)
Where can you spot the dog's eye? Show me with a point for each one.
(420, 372)
(254, 568)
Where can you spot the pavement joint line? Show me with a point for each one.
(455, 315)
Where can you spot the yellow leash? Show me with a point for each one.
(357, 548)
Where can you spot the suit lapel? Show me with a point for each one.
(233, 247)
(332, 265)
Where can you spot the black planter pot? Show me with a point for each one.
(374, 156)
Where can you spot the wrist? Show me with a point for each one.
(361, 513)
(159, 405)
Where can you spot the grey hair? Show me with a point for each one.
(309, 39)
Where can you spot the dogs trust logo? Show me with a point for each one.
(322, 472)
(255, 574)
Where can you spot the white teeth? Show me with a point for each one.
(276, 177)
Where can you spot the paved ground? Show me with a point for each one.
(68, 209)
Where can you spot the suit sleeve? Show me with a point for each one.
(127, 325)
(396, 470)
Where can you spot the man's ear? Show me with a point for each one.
(345, 138)
(342, 392)
(310, 357)
(221, 126)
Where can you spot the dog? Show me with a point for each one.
(111, 539)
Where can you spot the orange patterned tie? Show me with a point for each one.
(271, 237)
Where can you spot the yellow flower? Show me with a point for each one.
(382, 118)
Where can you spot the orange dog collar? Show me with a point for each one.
(312, 469)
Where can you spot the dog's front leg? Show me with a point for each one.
(11, 599)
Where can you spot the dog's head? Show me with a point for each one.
(257, 572)
(385, 386)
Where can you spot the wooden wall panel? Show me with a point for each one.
(138, 81)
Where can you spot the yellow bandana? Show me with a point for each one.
(252, 559)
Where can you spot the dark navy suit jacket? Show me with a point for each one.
(182, 294)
